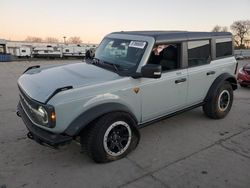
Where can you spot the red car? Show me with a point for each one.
(244, 76)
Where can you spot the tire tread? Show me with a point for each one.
(92, 137)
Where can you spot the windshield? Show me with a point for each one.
(124, 54)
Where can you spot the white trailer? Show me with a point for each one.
(23, 52)
(74, 51)
(49, 52)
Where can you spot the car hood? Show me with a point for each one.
(247, 67)
(40, 83)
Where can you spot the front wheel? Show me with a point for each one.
(111, 137)
(220, 102)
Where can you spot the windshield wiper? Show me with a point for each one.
(93, 61)
(114, 65)
(103, 63)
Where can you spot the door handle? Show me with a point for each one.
(180, 80)
(210, 73)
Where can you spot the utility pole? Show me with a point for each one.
(64, 38)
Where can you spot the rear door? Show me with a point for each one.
(200, 73)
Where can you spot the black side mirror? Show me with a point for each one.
(151, 71)
(90, 54)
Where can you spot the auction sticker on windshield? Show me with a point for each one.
(137, 44)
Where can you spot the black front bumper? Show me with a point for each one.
(40, 135)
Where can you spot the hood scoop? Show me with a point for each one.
(58, 91)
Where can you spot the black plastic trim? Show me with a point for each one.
(42, 136)
(90, 115)
(236, 68)
(218, 81)
(32, 67)
(170, 115)
(58, 90)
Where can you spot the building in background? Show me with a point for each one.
(4, 55)
(22, 49)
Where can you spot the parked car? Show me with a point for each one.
(244, 76)
(135, 79)
(239, 57)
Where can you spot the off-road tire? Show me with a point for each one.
(212, 107)
(92, 139)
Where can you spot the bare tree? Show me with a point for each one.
(219, 28)
(216, 28)
(224, 29)
(51, 40)
(241, 30)
(74, 40)
(33, 39)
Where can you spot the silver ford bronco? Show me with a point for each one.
(134, 79)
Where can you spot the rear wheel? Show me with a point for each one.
(111, 137)
(220, 102)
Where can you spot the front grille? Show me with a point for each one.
(27, 105)
(27, 108)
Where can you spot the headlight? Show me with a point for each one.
(45, 115)
(42, 115)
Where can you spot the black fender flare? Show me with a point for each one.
(77, 125)
(218, 81)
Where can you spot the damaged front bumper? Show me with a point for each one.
(42, 136)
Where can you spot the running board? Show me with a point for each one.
(169, 115)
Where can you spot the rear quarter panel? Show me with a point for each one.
(199, 82)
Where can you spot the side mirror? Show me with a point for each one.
(90, 54)
(151, 71)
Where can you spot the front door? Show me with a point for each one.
(167, 94)
(164, 95)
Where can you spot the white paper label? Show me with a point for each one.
(137, 44)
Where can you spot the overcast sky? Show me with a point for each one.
(92, 19)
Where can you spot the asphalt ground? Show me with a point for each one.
(188, 150)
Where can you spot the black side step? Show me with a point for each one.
(170, 115)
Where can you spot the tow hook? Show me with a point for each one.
(30, 136)
(18, 113)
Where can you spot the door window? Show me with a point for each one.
(199, 52)
(224, 47)
(167, 55)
